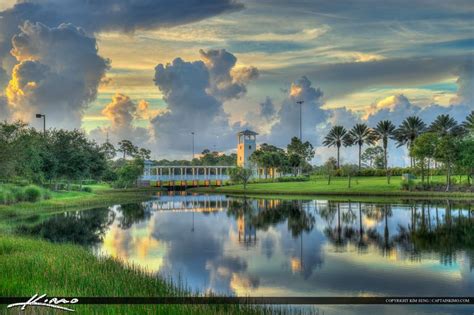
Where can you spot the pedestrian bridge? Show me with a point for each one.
(185, 173)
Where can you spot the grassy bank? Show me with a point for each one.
(34, 266)
(77, 200)
(360, 186)
(30, 266)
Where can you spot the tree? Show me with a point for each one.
(374, 157)
(240, 175)
(385, 130)
(408, 131)
(143, 154)
(360, 134)
(447, 151)
(445, 124)
(335, 138)
(129, 173)
(269, 156)
(466, 157)
(329, 168)
(423, 149)
(299, 153)
(109, 150)
(349, 170)
(127, 148)
(469, 123)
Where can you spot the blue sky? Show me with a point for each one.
(361, 55)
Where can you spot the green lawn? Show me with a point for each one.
(374, 186)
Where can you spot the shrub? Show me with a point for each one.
(18, 194)
(87, 189)
(408, 185)
(46, 194)
(293, 179)
(32, 193)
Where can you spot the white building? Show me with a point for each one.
(247, 144)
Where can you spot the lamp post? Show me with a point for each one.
(193, 143)
(301, 118)
(44, 122)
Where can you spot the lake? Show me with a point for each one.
(285, 247)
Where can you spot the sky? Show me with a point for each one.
(155, 71)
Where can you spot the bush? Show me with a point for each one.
(18, 194)
(408, 185)
(87, 189)
(32, 193)
(46, 194)
(293, 179)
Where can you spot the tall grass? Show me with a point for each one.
(34, 266)
(10, 194)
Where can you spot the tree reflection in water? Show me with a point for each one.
(134, 213)
(349, 223)
(444, 228)
(82, 227)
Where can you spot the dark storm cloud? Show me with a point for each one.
(121, 15)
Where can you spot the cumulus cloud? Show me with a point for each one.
(267, 109)
(465, 81)
(122, 113)
(226, 82)
(397, 107)
(58, 73)
(194, 92)
(288, 116)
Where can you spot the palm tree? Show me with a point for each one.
(385, 129)
(469, 123)
(360, 134)
(336, 137)
(408, 131)
(444, 125)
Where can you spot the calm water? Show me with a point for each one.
(274, 247)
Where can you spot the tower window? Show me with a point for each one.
(250, 147)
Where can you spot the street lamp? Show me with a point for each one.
(44, 122)
(301, 132)
(193, 143)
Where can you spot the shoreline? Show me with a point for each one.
(404, 194)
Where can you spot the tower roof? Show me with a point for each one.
(247, 132)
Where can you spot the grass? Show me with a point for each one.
(360, 186)
(34, 266)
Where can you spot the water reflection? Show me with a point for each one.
(283, 247)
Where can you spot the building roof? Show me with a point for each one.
(247, 132)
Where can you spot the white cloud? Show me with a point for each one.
(58, 73)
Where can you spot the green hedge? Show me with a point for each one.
(395, 171)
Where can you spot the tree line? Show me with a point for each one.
(60, 158)
(444, 142)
